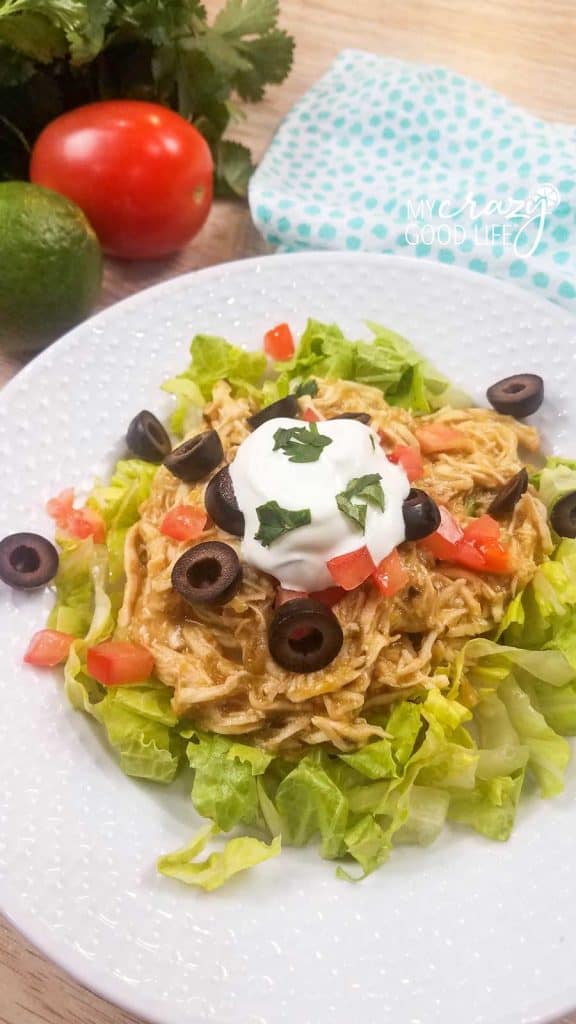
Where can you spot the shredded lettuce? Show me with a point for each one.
(461, 754)
(388, 362)
(238, 854)
(225, 775)
(212, 359)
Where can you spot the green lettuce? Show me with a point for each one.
(119, 504)
(389, 362)
(73, 610)
(238, 854)
(213, 359)
(436, 760)
(225, 776)
(311, 803)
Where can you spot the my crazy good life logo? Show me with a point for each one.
(506, 221)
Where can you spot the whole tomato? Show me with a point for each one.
(140, 172)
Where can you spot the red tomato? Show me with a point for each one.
(435, 438)
(114, 663)
(330, 596)
(140, 172)
(409, 459)
(310, 416)
(477, 547)
(497, 559)
(484, 534)
(77, 522)
(447, 544)
(469, 556)
(390, 576)
(60, 507)
(350, 570)
(482, 529)
(48, 647)
(184, 522)
(279, 342)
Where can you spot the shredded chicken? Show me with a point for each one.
(216, 660)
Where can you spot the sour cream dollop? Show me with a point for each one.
(298, 558)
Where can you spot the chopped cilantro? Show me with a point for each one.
(275, 521)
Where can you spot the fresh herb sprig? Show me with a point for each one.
(275, 521)
(366, 490)
(301, 444)
(60, 54)
(307, 387)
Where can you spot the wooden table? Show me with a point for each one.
(524, 48)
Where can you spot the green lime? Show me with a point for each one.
(50, 265)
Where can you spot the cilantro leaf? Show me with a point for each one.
(233, 169)
(275, 521)
(307, 387)
(33, 36)
(366, 489)
(270, 58)
(356, 513)
(246, 17)
(301, 444)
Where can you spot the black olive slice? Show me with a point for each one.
(563, 516)
(27, 561)
(147, 438)
(197, 457)
(283, 407)
(208, 573)
(518, 396)
(362, 417)
(221, 504)
(421, 515)
(509, 495)
(304, 635)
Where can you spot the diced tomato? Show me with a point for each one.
(390, 576)
(350, 570)
(85, 522)
(48, 647)
(442, 543)
(330, 596)
(477, 547)
(469, 557)
(279, 342)
(497, 559)
(409, 459)
(282, 596)
(484, 534)
(62, 505)
(115, 663)
(310, 416)
(482, 529)
(184, 522)
(77, 522)
(435, 438)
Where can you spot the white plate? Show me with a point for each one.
(468, 931)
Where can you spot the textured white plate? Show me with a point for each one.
(467, 932)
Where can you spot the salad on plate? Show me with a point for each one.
(335, 591)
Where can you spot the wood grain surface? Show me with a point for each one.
(524, 48)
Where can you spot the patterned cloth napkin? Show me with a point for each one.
(387, 156)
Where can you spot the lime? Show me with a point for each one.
(50, 265)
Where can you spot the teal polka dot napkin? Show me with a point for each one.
(386, 156)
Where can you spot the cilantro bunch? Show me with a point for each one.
(60, 54)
